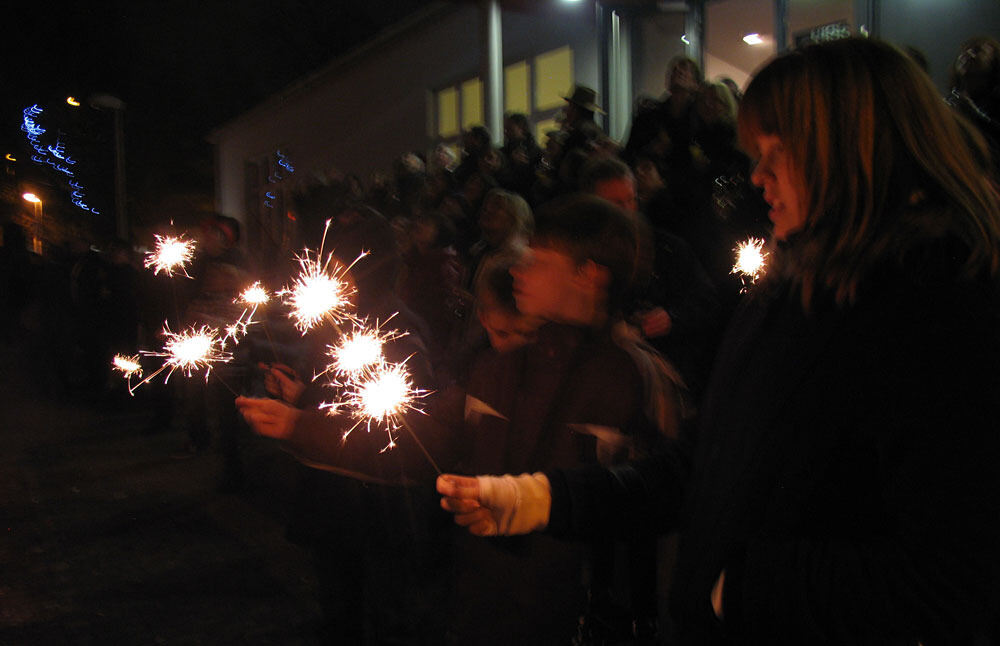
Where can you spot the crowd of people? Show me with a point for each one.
(822, 441)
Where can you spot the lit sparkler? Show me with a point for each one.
(320, 291)
(188, 351)
(381, 395)
(128, 366)
(750, 260)
(252, 297)
(171, 254)
(359, 350)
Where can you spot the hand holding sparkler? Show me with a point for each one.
(498, 505)
(282, 382)
(269, 417)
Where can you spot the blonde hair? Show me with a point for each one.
(515, 206)
(725, 97)
(885, 164)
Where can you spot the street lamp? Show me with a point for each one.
(36, 202)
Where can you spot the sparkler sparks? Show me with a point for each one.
(750, 260)
(254, 296)
(128, 366)
(380, 396)
(320, 292)
(359, 350)
(171, 254)
(188, 351)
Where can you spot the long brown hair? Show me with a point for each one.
(884, 162)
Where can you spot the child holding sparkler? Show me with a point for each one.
(584, 391)
(842, 485)
(371, 544)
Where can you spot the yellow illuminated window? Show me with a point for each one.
(515, 88)
(542, 128)
(447, 104)
(553, 77)
(472, 103)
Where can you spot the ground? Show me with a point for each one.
(107, 537)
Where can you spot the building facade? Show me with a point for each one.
(453, 65)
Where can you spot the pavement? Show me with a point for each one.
(106, 537)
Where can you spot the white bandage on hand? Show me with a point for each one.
(519, 504)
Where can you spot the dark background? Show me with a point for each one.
(181, 67)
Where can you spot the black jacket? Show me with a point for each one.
(843, 475)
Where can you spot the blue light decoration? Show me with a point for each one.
(54, 155)
(281, 159)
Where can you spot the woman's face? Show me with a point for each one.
(784, 189)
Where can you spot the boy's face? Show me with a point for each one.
(546, 283)
(619, 191)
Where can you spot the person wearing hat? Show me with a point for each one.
(581, 132)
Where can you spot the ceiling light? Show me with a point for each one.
(753, 39)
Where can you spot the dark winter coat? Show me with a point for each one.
(844, 473)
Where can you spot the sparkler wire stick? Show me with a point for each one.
(406, 425)
(270, 341)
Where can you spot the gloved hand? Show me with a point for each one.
(497, 505)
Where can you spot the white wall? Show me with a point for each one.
(360, 116)
(357, 116)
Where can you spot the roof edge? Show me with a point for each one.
(380, 39)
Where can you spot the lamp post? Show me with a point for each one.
(116, 105)
(36, 239)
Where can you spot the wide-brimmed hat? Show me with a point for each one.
(585, 98)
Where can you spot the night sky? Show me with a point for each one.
(182, 68)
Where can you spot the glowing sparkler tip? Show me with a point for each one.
(360, 350)
(750, 259)
(170, 254)
(192, 350)
(317, 293)
(254, 295)
(127, 365)
(386, 393)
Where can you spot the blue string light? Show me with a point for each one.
(53, 155)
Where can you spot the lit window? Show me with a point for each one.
(515, 88)
(543, 127)
(472, 103)
(553, 78)
(447, 105)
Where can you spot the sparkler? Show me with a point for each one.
(171, 254)
(255, 295)
(750, 260)
(320, 292)
(189, 351)
(381, 395)
(128, 366)
(252, 297)
(359, 350)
